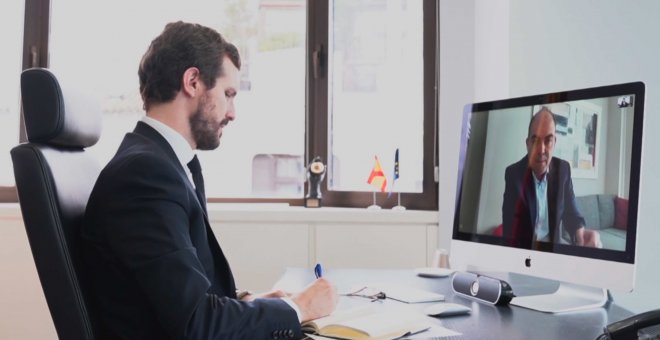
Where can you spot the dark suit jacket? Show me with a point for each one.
(519, 204)
(155, 268)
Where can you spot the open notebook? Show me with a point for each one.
(368, 322)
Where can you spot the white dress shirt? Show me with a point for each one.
(542, 229)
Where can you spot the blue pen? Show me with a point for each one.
(318, 271)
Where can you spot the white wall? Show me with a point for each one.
(553, 45)
(505, 145)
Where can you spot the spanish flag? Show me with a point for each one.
(377, 177)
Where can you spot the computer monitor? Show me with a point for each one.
(522, 213)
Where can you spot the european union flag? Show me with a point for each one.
(396, 171)
(396, 165)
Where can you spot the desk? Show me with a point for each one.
(486, 321)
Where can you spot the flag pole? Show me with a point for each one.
(398, 206)
(374, 206)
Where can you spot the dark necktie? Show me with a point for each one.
(218, 260)
(198, 179)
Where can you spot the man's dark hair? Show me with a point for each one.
(181, 46)
(537, 114)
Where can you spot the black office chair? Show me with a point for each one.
(54, 178)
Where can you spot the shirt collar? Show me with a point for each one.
(544, 178)
(542, 182)
(179, 144)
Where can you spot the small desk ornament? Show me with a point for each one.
(315, 175)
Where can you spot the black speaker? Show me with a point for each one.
(482, 288)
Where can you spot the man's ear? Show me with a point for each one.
(527, 146)
(191, 84)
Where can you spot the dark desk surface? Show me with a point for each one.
(486, 321)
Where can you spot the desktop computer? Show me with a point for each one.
(548, 186)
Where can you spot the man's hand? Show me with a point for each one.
(316, 300)
(588, 238)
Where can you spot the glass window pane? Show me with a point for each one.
(11, 40)
(376, 93)
(270, 35)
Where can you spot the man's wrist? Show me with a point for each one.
(293, 305)
(240, 294)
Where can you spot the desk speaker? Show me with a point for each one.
(482, 288)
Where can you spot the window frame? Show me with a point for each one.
(317, 102)
(35, 54)
(36, 23)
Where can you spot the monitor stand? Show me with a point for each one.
(567, 298)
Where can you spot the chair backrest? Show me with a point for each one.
(54, 178)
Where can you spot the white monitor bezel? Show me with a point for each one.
(601, 268)
(480, 257)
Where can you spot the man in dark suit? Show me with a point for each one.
(155, 268)
(538, 194)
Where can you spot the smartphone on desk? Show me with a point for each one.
(641, 326)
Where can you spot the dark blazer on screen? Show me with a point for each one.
(519, 204)
(154, 266)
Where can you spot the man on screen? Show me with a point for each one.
(538, 194)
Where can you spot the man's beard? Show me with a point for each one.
(205, 131)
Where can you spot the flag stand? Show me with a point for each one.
(374, 206)
(398, 205)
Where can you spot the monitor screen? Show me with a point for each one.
(548, 185)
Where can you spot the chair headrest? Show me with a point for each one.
(56, 112)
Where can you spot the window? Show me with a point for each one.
(373, 93)
(270, 107)
(351, 79)
(11, 38)
(375, 78)
(274, 174)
